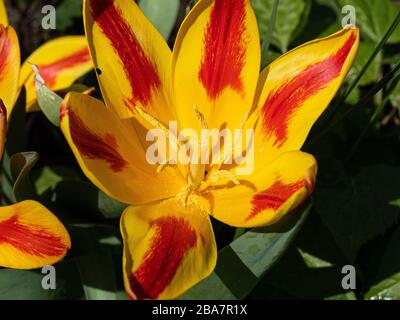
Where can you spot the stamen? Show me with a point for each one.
(158, 125)
(162, 166)
(244, 120)
(204, 148)
(151, 120)
(183, 196)
(216, 176)
(222, 158)
(201, 118)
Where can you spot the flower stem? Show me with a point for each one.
(268, 39)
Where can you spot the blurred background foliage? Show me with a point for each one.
(355, 214)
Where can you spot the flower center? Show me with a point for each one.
(198, 179)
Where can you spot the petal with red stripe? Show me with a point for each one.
(277, 189)
(31, 236)
(216, 61)
(9, 66)
(131, 57)
(61, 62)
(111, 155)
(168, 248)
(297, 88)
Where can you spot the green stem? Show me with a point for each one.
(268, 39)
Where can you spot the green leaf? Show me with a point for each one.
(162, 14)
(358, 208)
(67, 12)
(47, 178)
(27, 285)
(290, 19)
(81, 196)
(291, 278)
(266, 41)
(321, 22)
(344, 296)
(354, 96)
(249, 256)
(76, 87)
(48, 101)
(395, 93)
(21, 165)
(375, 18)
(97, 252)
(387, 284)
(313, 261)
(309, 269)
(95, 276)
(89, 238)
(15, 143)
(63, 188)
(98, 274)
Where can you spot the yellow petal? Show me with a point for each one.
(31, 236)
(111, 155)
(296, 89)
(132, 59)
(167, 249)
(216, 62)
(277, 189)
(61, 62)
(3, 14)
(9, 66)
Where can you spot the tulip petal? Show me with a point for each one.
(9, 66)
(216, 61)
(297, 88)
(131, 58)
(61, 62)
(278, 188)
(111, 155)
(3, 14)
(168, 248)
(31, 236)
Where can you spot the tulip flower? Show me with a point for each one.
(30, 235)
(61, 62)
(210, 80)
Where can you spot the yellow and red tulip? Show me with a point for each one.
(61, 62)
(169, 243)
(30, 235)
